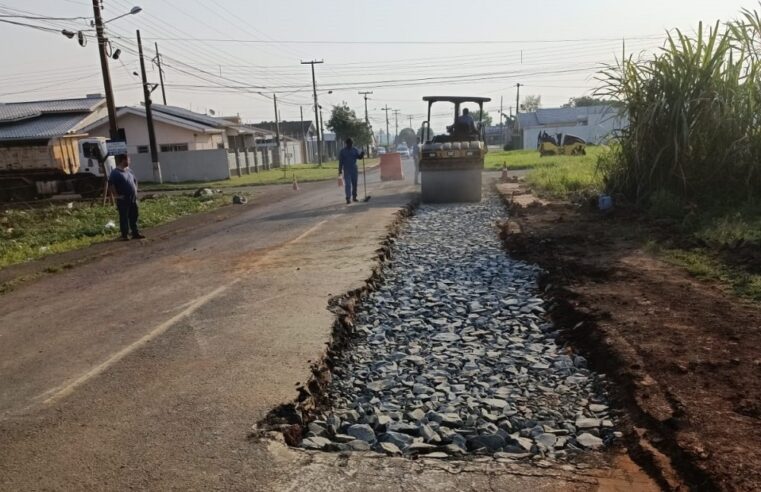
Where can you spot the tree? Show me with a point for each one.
(344, 122)
(585, 101)
(485, 119)
(408, 136)
(531, 103)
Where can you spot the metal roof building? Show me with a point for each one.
(39, 121)
(595, 124)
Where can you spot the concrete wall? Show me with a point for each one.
(136, 131)
(600, 128)
(193, 165)
(293, 153)
(254, 163)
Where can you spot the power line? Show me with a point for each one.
(24, 24)
(470, 42)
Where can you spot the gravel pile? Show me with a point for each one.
(455, 355)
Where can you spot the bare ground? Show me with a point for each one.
(684, 354)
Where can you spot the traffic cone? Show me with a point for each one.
(295, 183)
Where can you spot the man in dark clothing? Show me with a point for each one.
(416, 158)
(466, 121)
(123, 185)
(347, 165)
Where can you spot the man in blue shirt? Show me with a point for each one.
(123, 185)
(466, 122)
(347, 165)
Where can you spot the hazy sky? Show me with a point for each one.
(393, 48)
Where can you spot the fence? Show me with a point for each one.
(192, 165)
(247, 162)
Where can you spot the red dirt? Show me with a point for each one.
(684, 355)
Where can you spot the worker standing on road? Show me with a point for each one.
(123, 185)
(416, 158)
(347, 166)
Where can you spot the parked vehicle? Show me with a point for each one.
(66, 165)
(381, 150)
(403, 149)
(561, 144)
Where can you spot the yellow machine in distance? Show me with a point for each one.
(561, 144)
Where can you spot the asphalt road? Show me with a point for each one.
(145, 367)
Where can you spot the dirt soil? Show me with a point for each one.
(684, 355)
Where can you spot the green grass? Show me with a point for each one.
(728, 227)
(558, 176)
(303, 172)
(30, 234)
(530, 159)
(704, 264)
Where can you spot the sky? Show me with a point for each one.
(231, 56)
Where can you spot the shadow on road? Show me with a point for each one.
(382, 201)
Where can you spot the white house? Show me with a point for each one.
(595, 124)
(192, 146)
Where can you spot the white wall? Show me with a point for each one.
(176, 167)
(600, 128)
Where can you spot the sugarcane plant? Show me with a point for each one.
(693, 109)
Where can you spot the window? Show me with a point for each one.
(91, 150)
(142, 149)
(174, 147)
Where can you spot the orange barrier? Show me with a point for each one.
(391, 166)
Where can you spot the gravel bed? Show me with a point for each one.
(455, 357)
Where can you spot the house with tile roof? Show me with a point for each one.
(301, 132)
(36, 122)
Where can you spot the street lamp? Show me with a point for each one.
(134, 10)
(98, 24)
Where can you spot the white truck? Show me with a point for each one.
(68, 164)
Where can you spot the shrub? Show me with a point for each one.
(694, 130)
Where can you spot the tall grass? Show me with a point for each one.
(695, 117)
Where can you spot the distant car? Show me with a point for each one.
(381, 150)
(403, 149)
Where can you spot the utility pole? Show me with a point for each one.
(113, 129)
(161, 74)
(277, 130)
(411, 122)
(516, 126)
(623, 50)
(367, 116)
(322, 128)
(388, 137)
(502, 121)
(303, 134)
(518, 99)
(396, 124)
(316, 110)
(149, 115)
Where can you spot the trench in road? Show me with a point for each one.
(452, 354)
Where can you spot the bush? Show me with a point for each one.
(693, 135)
